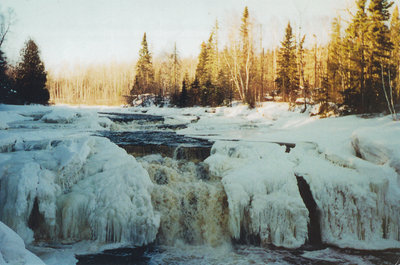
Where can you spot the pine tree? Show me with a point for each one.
(31, 76)
(194, 93)
(202, 70)
(355, 45)
(183, 97)
(335, 65)
(144, 78)
(287, 76)
(380, 47)
(5, 82)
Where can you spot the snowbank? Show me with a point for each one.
(77, 188)
(12, 249)
(264, 200)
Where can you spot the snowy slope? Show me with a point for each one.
(12, 249)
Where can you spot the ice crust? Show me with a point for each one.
(86, 188)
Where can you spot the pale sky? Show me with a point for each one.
(88, 31)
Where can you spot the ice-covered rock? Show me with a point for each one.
(77, 188)
(264, 200)
(359, 201)
(12, 249)
(60, 116)
(379, 145)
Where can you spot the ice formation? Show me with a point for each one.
(12, 249)
(359, 201)
(74, 189)
(264, 200)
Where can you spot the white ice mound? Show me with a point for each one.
(79, 188)
(263, 196)
(359, 201)
(60, 116)
(12, 249)
(379, 145)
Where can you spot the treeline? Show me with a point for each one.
(356, 72)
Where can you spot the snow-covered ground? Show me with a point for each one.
(83, 187)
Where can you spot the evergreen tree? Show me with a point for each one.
(354, 95)
(144, 78)
(183, 97)
(194, 93)
(5, 82)
(31, 76)
(335, 65)
(287, 77)
(380, 47)
(221, 93)
(202, 70)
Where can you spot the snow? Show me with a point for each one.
(12, 249)
(87, 188)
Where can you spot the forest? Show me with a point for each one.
(357, 71)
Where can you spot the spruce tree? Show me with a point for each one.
(184, 96)
(194, 93)
(287, 76)
(380, 47)
(5, 82)
(335, 66)
(31, 76)
(144, 78)
(202, 70)
(356, 50)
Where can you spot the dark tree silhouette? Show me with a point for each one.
(31, 76)
(5, 82)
